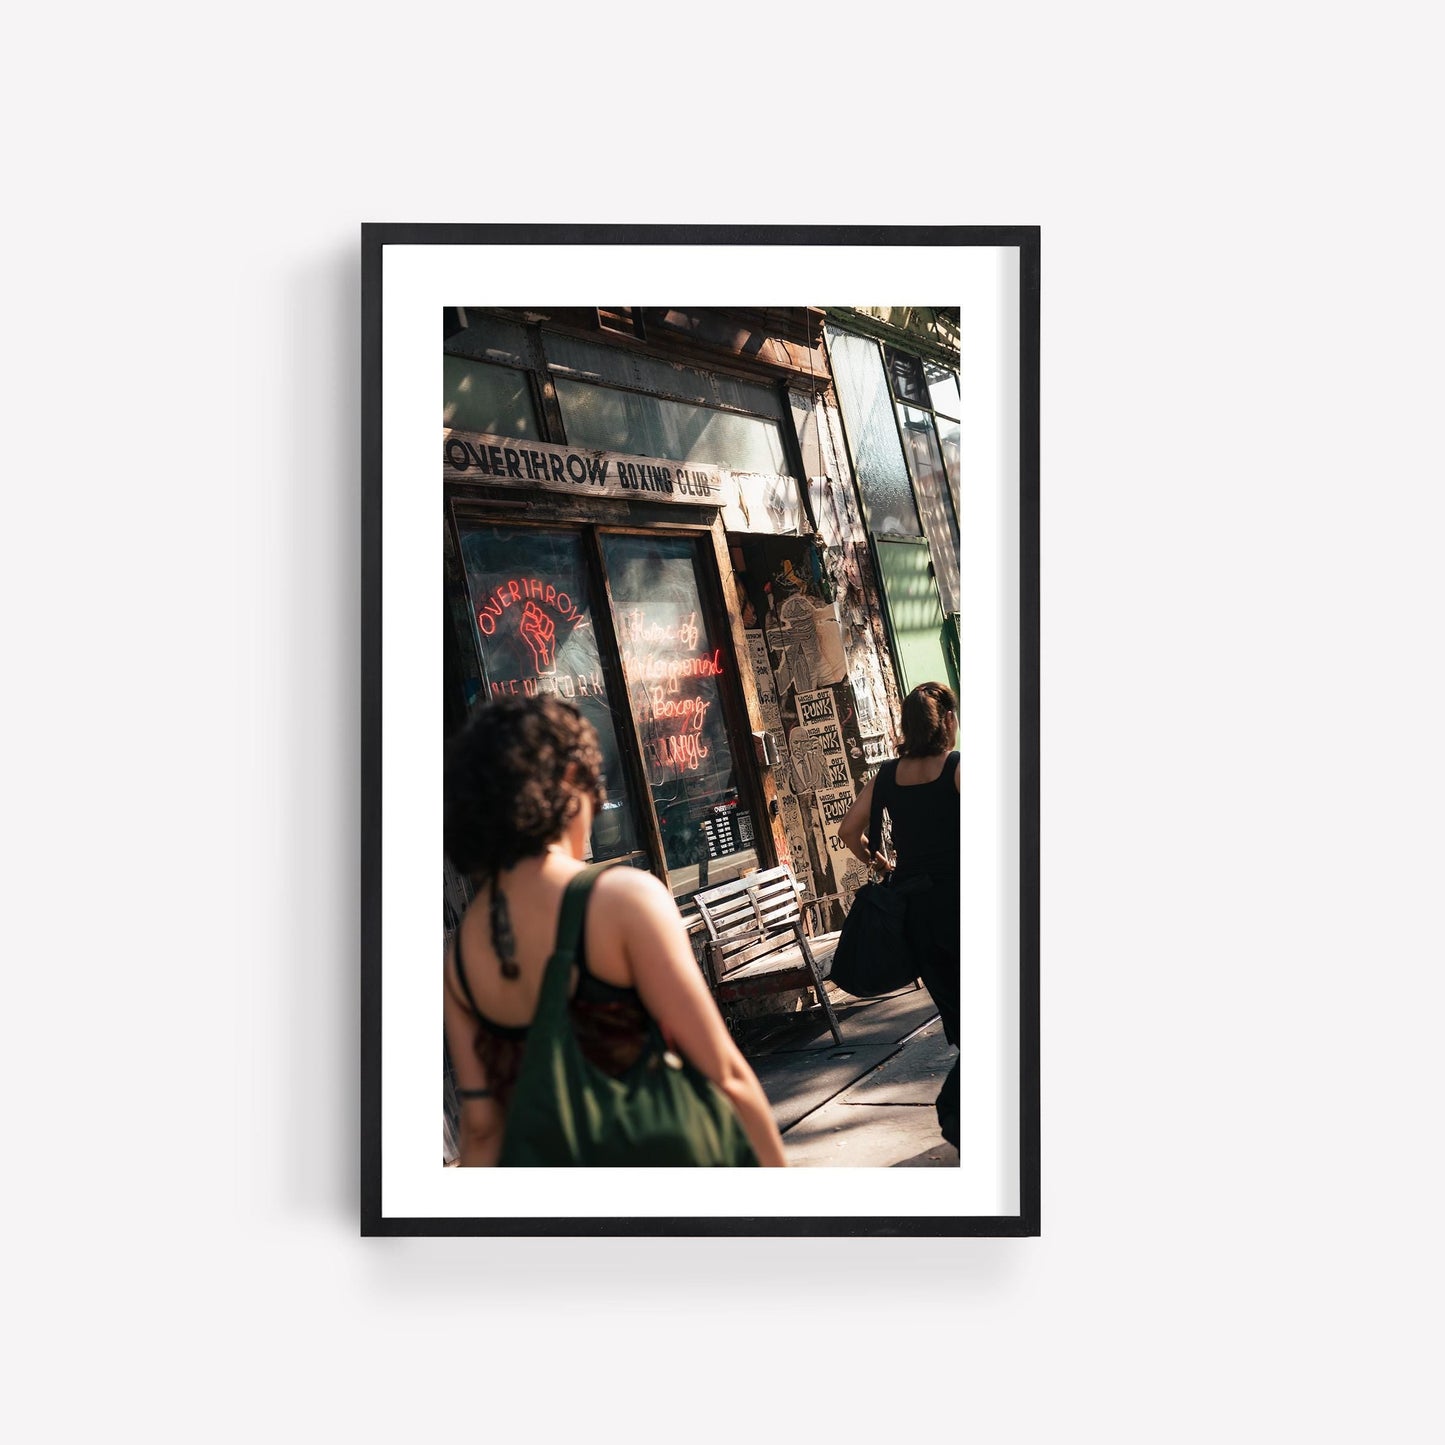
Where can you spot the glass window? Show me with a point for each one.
(919, 646)
(573, 359)
(867, 407)
(674, 665)
(534, 620)
(651, 426)
(943, 393)
(622, 319)
(935, 503)
(485, 398)
(907, 375)
(948, 444)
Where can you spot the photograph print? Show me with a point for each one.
(701, 688)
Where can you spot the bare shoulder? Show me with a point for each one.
(637, 925)
(633, 887)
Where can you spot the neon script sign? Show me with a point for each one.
(658, 656)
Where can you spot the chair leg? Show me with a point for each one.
(820, 988)
(822, 993)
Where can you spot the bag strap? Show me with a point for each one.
(552, 996)
(881, 781)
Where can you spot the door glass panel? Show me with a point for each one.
(674, 664)
(534, 622)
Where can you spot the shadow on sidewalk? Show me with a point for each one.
(944, 1156)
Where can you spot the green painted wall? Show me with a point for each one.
(915, 614)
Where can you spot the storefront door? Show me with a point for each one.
(680, 671)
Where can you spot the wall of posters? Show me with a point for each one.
(801, 662)
(849, 569)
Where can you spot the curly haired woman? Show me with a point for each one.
(523, 782)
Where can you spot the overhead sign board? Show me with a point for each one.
(513, 462)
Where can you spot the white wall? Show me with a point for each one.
(1242, 776)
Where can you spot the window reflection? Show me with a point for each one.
(674, 667)
(943, 393)
(866, 403)
(651, 426)
(907, 375)
(935, 503)
(948, 442)
(479, 397)
(535, 627)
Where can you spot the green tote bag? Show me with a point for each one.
(566, 1111)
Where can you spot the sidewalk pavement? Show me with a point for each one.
(867, 1102)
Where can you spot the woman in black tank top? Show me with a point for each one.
(920, 794)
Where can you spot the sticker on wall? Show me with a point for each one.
(763, 676)
(832, 807)
(777, 642)
(796, 833)
(816, 744)
(855, 875)
(783, 775)
(805, 748)
(758, 503)
(813, 641)
(876, 750)
(816, 707)
(871, 719)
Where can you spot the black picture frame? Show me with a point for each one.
(375, 239)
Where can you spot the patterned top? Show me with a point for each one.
(610, 1025)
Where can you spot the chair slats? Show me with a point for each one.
(745, 938)
(753, 924)
(731, 915)
(715, 896)
(756, 940)
(743, 906)
(774, 944)
(788, 959)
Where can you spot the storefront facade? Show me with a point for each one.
(688, 524)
